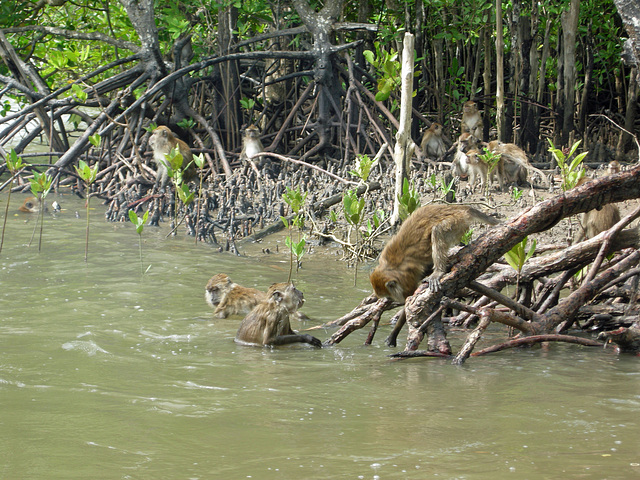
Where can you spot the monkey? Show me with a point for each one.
(433, 145)
(478, 168)
(460, 165)
(471, 119)
(228, 298)
(162, 141)
(251, 143)
(420, 248)
(510, 153)
(30, 205)
(597, 220)
(613, 167)
(514, 173)
(268, 323)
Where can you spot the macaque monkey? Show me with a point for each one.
(479, 169)
(471, 119)
(268, 323)
(460, 165)
(432, 142)
(251, 144)
(420, 248)
(510, 153)
(162, 141)
(30, 205)
(597, 220)
(613, 167)
(228, 298)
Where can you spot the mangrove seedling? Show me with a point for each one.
(571, 171)
(15, 166)
(409, 200)
(139, 222)
(295, 199)
(88, 176)
(491, 159)
(40, 187)
(199, 161)
(518, 256)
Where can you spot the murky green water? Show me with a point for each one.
(104, 374)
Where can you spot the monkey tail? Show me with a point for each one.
(483, 217)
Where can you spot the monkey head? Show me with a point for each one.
(218, 286)
(285, 295)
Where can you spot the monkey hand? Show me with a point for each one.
(311, 340)
(434, 282)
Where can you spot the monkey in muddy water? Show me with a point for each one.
(229, 298)
(161, 142)
(268, 323)
(420, 248)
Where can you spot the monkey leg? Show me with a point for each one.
(401, 319)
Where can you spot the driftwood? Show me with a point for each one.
(540, 320)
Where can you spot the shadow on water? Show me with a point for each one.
(107, 374)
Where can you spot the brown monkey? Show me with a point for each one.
(420, 247)
(251, 144)
(510, 153)
(162, 141)
(228, 298)
(30, 205)
(613, 167)
(479, 169)
(433, 142)
(471, 119)
(597, 220)
(268, 323)
(460, 165)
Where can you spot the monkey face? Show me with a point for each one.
(386, 287)
(217, 287)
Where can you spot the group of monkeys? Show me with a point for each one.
(511, 167)
(418, 251)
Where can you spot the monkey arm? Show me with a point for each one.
(296, 338)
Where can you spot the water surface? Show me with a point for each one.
(105, 373)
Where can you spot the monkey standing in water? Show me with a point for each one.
(420, 248)
(228, 298)
(268, 323)
(162, 141)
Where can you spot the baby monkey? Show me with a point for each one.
(268, 323)
(420, 248)
(162, 141)
(228, 298)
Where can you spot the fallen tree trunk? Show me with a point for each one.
(422, 309)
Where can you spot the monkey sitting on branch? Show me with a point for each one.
(162, 142)
(268, 323)
(420, 248)
(229, 298)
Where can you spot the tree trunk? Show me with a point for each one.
(500, 115)
(404, 147)
(569, 33)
